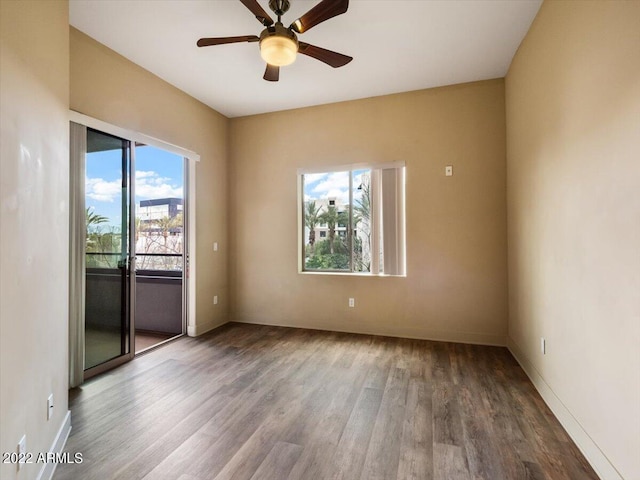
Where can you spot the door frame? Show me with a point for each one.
(189, 258)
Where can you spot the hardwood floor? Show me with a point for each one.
(258, 402)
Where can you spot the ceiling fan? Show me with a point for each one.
(279, 45)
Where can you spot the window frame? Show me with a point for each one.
(350, 168)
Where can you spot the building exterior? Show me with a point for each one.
(160, 234)
(322, 229)
(158, 208)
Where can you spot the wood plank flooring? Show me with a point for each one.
(258, 402)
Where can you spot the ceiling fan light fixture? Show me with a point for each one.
(278, 50)
(278, 44)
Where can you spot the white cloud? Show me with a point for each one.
(310, 178)
(333, 185)
(156, 188)
(144, 174)
(148, 185)
(357, 180)
(102, 190)
(327, 185)
(334, 181)
(341, 195)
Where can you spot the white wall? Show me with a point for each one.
(34, 242)
(573, 163)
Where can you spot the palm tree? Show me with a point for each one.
(332, 217)
(93, 219)
(99, 243)
(311, 220)
(165, 224)
(362, 217)
(93, 235)
(362, 206)
(139, 227)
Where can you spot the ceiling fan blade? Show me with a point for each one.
(272, 73)
(262, 16)
(329, 57)
(205, 42)
(325, 10)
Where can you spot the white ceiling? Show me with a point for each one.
(397, 45)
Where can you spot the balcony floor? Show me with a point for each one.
(102, 345)
(145, 340)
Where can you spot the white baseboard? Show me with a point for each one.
(47, 470)
(596, 457)
(200, 328)
(454, 337)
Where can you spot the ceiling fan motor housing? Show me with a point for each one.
(279, 7)
(278, 30)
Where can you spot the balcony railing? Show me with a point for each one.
(144, 261)
(158, 291)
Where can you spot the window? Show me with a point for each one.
(353, 220)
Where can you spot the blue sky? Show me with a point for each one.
(330, 185)
(159, 174)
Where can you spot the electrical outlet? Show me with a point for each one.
(543, 345)
(352, 302)
(22, 451)
(215, 246)
(215, 299)
(50, 407)
(448, 170)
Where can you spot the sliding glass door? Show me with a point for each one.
(129, 246)
(108, 266)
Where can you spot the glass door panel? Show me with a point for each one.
(160, 246)
(107, 275)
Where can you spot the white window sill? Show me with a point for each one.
(350, 274)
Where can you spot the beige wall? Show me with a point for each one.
(572, 123)
(573, 149)
(34, 222)
(456, 287)
(107, 86)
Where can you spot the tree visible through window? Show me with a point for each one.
(344, 216)
(159, 214)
